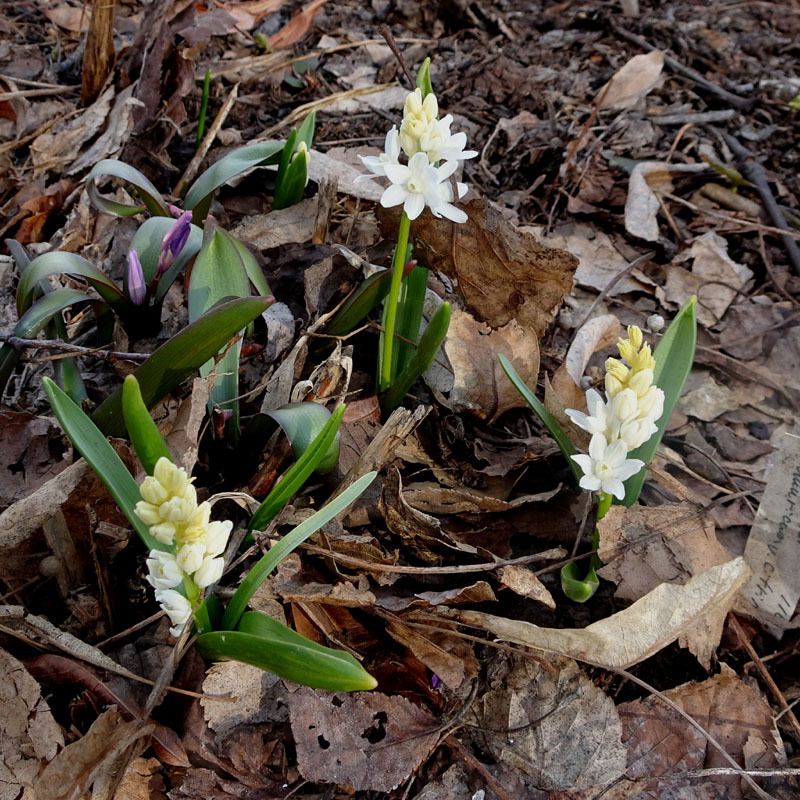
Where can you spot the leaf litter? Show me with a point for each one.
(468, 477)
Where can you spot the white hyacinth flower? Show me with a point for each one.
(441, 145)
(607, 466)
(210, 571)
(599, 419)
(414, 186)
(190, 556)
(163, 570)
(176, 607)
(377, 164)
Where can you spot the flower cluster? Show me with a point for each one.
(622, 422)
(169, 507)
(433, 156)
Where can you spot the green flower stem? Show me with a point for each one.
(385, 379)
(201, 619)
(603, 505)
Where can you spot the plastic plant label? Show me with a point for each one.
(773, 547)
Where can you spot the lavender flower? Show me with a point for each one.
(137, 291)
(174, 242)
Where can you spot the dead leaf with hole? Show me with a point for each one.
(29, 736)
(635, 79)
(371, 741)
(661, 742)
(479, 384)
(556, 727)
(642, 205)
(667, 613)
(503, 273)
(715, 278)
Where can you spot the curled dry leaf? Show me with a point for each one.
(563, 732)
(478, 383)
(371, 741)
(667, 613)
(632, 81)
(524, 582)
(29, 736)
(503, 273)
(283, 226)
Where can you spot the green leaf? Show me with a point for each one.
(550, 422)
(147, 243)
(144, 434)
(259, 573)
(578, 589)
(181, 356)
(283, 169)
(263, 642)
(201, 120)
(302, 423)
(101, 457)
(46, 309)
(289, 191)
(250, 265)
(60, 262)
(201, 193)
(424, 78)
(219, 272)
(305, 132)
(307, 461)
(674, 357)
(363, 300)
(151, 197)
(429, 343)
(409, 317)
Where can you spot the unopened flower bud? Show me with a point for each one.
(635, 336)
(210, 571)
(174, 241)
(655, 323)
(137, 291)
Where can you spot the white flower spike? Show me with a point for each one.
(377, 164)
(607, 466)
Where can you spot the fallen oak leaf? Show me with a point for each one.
(667, 613)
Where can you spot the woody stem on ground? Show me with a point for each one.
(385, 378)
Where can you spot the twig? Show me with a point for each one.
(755, 173)
(386, 32)
(692, 118)
(773, 687)
(208, 140)
(676, 66)
(469, 759)
(779, 287)
(19, 343)
(37, 92)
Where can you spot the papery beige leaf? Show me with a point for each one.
(284, 226)
(555, 726)
(523, 581)
(29, 736)
(667, 613)
(595, 335)
(632, 81)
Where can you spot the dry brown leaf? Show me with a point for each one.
(284, 226)
(433, 498)
(632, 81)
(183, 438)
(29, 736)
(479, 384)
(667, 613)
(297, 26)
(371, 741)
(88, 759)
(524, 582)
(661, 742)
(715, 278)
(558, 408)
(503, 273)
(562, 730)
(641, 205)
(711, 399)
(333, 166)
(142, 781)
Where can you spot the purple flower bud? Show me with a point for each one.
(436, 681)
(174, 242)
(174, 210)
(137, 291)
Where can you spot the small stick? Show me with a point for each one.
(773, 687)
(19, 343)
(779, 287)
(387, 34)
(469, 759)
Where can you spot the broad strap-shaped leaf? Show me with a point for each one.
(59, 262)
(263, 642)
(151, 197)
(674, 357)
(302, 423)
(182, 355)
(201, 193)
(429, 343)
(424, 78)
(305, 133)
(259, 573)
(145, 437)
(550, 422)
(307, 461)
(362, 300)
(410, 307)
(101, 457)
